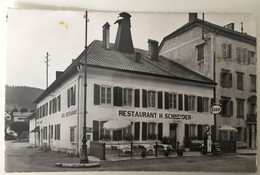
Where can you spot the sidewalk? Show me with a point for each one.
(247, 151)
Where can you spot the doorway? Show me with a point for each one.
(173, 133)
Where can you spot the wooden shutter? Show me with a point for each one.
(199, 104)
(68, 97)
(200, 133)
(137, 98)
(186, 101)
(244, 55)
(74, 95)
(230, 79)
(223, 50)
(231, 108)
(144, 98)
(160, 131)
(96, 94)
(212, 101)
(160, 100)
(186, 134)
(95, 130)
(118, 96)
(144, 131)
(137, 130)
(230, 50)
(180, 102)
(166, 100)
(222, 107)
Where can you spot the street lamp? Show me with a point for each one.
(84, 140)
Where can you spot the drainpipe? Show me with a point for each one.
(78, 115)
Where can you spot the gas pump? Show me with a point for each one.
(207, 141)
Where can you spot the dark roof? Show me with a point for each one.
(210, 26)
(112, 59)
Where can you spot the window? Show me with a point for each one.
(252, 83)
(200, 52)
(106, 94)
(226, 51)
(239, 134)
(191, 103)
(240, 81)
(104, 134)
(128, 97)
(205, 104)
(240, 108)
(251, 57)
(72, 134)
(151, 99)
(239, 54)
(192, 130)
(57, 132)
(51, 131)
(173, 101)
(59, 103)
(227, 107)
(151, 131)
(226, 78)
(71, 96)
(127, 133)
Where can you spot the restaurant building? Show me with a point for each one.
(158, 96)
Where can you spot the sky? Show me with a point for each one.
(33, 33)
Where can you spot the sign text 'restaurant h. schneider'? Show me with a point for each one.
(154, 115)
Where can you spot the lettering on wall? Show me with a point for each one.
(155, 115)
(69, 113)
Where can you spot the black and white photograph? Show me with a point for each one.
(122, 91)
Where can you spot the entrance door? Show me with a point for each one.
(173, 133)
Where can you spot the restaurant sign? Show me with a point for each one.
(173, 116)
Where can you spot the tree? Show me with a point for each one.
(23, 110)
(19, 127)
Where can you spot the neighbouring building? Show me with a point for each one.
(227, 57)
(21, 116)
(159, 96)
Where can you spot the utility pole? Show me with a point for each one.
(47, 65)
(84, 139)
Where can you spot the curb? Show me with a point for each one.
(78, 165)
(249, 154)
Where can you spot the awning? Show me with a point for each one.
(36, 129)
(227, 128)
(116, 124)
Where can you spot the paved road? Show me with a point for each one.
(21, 158)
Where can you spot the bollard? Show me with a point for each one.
(104, 151)
(155, 149)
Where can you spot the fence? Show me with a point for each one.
(98, 150)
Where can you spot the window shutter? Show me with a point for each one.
(74, 95)
(160, 131)
(231, 108)
(186, 101)
(230, 51)
(200, 134)
(137, 98)
(68, 97)
(118, 96)
(223, 50)
(95, 130)
(144, 131)
(222, 107)
(180, 103)
(245, 56)
(186, 131)
(222, 79)
(160, 100)
(137, 130)
(199, 104)
(144, 98)
(230, 79)
(212, 101)
(166, 100)
(96, 94)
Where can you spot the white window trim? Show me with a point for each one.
(155, 98)
(112, 94)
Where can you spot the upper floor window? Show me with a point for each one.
(241, 55)
(226, 78)
(240, 108)
(240, 81)
(127, 97)
(226, 51)
(191, 103)
(227, 107)
(151, 99)
(106, 95)
(200, 52)
(71, 96)
(172, 101)
(205, 104)
(251, 58)
(252, 83)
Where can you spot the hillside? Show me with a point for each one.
(20, 96)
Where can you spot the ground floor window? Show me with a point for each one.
(57, 132)
(72, 134)
(104, 134)
(151, 131)
(127, 133)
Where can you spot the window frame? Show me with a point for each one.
(240, 85)
(191, 102)
(72, 134)
(127, 95)
(240, 108)
(151, 99)
(198, 58)
(173, 101)
(205, 108)
(252, 83)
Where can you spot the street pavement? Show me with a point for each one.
(20, 157)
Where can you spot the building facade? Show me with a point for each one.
(227, 57)
(158, 96)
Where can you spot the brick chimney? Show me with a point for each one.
(124, 41)
(230, 26)
(106, 32)
(153, 49)
(58, 74)
(193, 16)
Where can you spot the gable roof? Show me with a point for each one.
(210, 26)
(99, 57)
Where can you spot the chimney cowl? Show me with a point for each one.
(230, 26)
(106, 35)
(193, 17)
(153, 49)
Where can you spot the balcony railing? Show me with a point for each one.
(251, 118)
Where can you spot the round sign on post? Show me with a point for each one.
(215, 109)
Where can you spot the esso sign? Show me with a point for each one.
(215, 109)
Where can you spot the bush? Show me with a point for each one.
(128, 137)
(187, 142)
